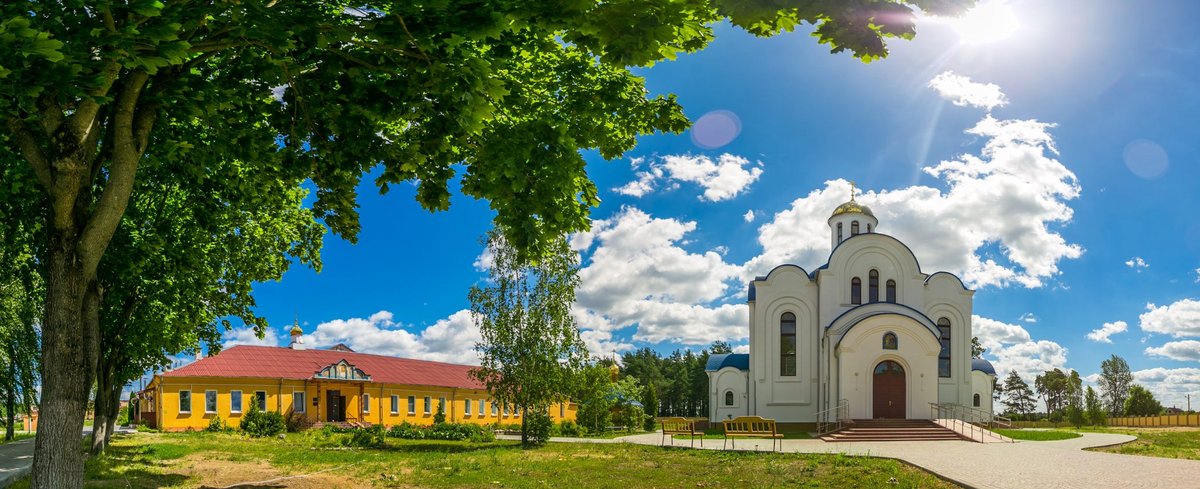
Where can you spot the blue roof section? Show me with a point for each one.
(740, 361)
(750, 294)
(982, 366)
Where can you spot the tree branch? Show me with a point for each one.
(125, 157)
(83, 119)
(32, 153)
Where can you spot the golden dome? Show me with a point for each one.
(296, 330)
(852, 206)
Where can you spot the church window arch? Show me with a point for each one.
(976, 400)
(944, 357)
(729, 398)
(854, 228)
(856, 291)
(787, 345)
(891, 291)
(839, 228)
(890, 342)
(873, 286)
(868, 227)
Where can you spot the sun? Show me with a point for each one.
(989, 21)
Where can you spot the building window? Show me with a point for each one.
(235, 402)
(976, 400)
(428, 405)
(944, 356)
(366, 403)
(728, 398)
(482, 407)
(467, 407)
(185, 401)
(298, 401)
(839, 232)
(494, 410)
(787, 345)
(856, 291)
(854, 228)
(506, 410)
(210, 402)
(873, 286)
(442, 405)
(260, 400)
(890, 342)
(868, 227)
(891, 291)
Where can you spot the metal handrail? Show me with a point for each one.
(958, 415)
(839, 413)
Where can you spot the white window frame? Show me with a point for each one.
(412, 405)
(506, 410)
(395, 404)
(442, 405)
(467, 408)
(428, 405)
(482, 408)
(495, 410)
(189, 401)
(263, 407)
(303, 402)
(236, 408)
(214, 401)
(366, 402)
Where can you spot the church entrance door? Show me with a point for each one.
(889, 391)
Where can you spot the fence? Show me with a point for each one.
(1160, 420)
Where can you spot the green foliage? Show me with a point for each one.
(372, 437)
(1038, 435)
(444, 431)
(439, 416)
(1141, 402)
(1018, 398)
(679, 379)
(592, 395)
(1057, 389)
(1076, 416)
(296, 422)
(1115, 379)
(650, 406)
(262, 424)
(977, 350)
(569, 428)
(530, 348)
(627, 409)
(1094, 408)
(217, 425)
(538, 427)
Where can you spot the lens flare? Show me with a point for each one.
(987, 22)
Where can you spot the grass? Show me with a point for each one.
(207, 459)
(18, 436)
(1038, 435)
(1156, 442)
(717, 434)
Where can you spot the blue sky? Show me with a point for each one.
(1091, 167)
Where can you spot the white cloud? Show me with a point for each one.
(638, 274)
(1198, 275)
(1012, 348)
(722, 179)
(1169, 385)
(963, 92)
(246, 336)
(1181, 319)
(1028, 317)
(749, 217)
(1137, 263)
(448, 340)
(742, 348)
(1184, 351)
(1108, 329)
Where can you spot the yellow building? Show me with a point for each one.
(336, 385)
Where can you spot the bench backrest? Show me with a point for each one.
(750, 424)
(678, 424)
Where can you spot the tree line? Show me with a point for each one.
(1066, 399)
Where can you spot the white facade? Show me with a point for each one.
(894, 324)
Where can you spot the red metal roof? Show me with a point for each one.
(285, 363)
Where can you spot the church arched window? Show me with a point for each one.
(890, 342)
(976, 400)
(856, 291)
(944, 357)
(729, 398)
(854, 228)
(787, 345)
(868, 227)
(839, 232)
(873, 286)
(891, 291)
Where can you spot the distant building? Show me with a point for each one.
(336, 385)
(869, 328)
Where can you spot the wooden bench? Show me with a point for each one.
(681, 426)
(751, 427)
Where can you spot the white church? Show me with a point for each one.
(868, 327)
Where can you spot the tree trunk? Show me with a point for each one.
(68, 361)
(114, 411)
(100, 413)
(524, 429)
(11, 404)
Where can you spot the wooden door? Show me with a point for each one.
(888, 389)
(333, 406)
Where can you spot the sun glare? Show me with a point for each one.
(989, 21)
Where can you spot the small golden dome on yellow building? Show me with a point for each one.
(613, 371)
(296, 331)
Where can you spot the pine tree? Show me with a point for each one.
(1018, 398)
(1093, 408)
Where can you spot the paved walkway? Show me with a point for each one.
(15, 460)
(1021, 465)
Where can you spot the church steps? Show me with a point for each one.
(892, 430)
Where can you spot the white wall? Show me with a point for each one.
(861, 350)
(787, 399)
(981, 384)
(727, 379)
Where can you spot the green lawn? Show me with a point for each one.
(718, 434)
(1038, 435)
(18, 436)
(1156, 442)
(204, 459)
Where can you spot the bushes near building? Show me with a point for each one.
(443, 431)
(259, 424)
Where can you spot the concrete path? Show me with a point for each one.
(1020, 465)
(15, 460)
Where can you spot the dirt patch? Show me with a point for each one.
(212, 473)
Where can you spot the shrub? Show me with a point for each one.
(372, 437)
(259, 424)
(217, 425)
(537, 426)
(439, 416)
(570, 428)
(444, 431)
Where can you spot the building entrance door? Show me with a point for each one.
(888, 389)
(335, 406)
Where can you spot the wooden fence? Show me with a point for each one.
(1160, 420)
